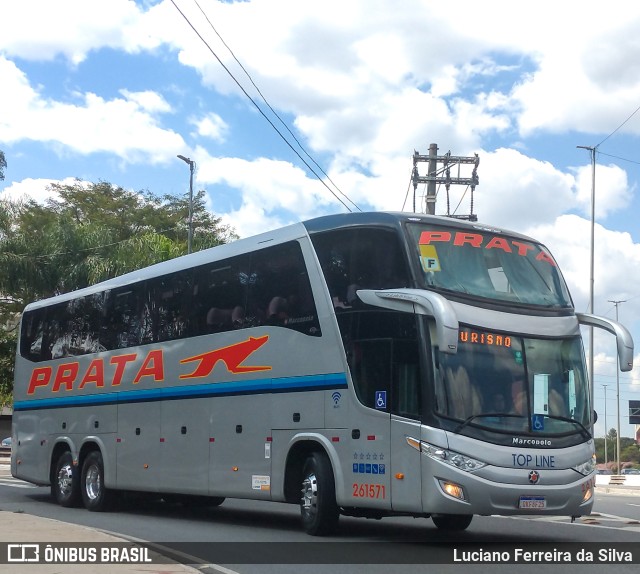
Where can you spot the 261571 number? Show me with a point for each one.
(369, 490)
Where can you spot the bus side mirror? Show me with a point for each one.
(423, 303)
(624, 339)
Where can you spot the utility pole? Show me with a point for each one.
(616, 303)
(443, 176)
(606, 431)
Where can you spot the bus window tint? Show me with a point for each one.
(502, 381)
(280, 290)
(353, 259)
(488, 265)
(220, 296)
(129, 319)
(32, 344)
(382, 352)
(267, 287)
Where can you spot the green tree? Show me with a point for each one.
(7, 354)
(90, 233)
(3, 165)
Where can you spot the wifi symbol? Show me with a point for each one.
(336, 397)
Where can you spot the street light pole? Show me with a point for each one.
(592, 150)
(192, 165)
(605, 425)
(616, 303)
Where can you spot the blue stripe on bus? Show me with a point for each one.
(256, 386)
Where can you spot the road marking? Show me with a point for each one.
(16, 483)
(595, 520)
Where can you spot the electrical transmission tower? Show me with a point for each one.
(442, 175)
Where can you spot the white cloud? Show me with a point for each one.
(612, 189)
(518, 192)
(147, 101)
(70, 28)
(616, 261)
(126, 128)
(211, 126)
(36, 189)
(272, 193)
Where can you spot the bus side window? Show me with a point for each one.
(371, 371)
(57, 340)
(124, 326)
(353, 259)
(170, 299)
(32, 345)
(219, 296)
(280, 293)
(406, 379)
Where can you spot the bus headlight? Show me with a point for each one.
(586, 468)
(450, 457)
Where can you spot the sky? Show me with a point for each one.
(114, 90)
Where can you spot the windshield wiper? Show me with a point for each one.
(484, 415)
(583, 429)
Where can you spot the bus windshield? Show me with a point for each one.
(514, 384)
(487, 264)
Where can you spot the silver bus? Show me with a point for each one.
(366, 364)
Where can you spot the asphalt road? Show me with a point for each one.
(261, 537)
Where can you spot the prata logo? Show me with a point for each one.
(534, 477)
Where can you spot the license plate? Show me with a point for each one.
(532, 502)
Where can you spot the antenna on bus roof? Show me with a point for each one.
(443, 175)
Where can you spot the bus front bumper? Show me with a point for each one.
(450, 491)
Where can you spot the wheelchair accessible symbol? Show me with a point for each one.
(381, 400)
(537, 422)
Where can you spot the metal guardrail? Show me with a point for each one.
(5, 452)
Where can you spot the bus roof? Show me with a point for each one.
(392, 220)
(395, 219)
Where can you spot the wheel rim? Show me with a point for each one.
(65, 480)
(309, 501)
(92, 483)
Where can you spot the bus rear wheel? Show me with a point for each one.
(318, 507)
(452, 522)
(65, 486)
(95, 496)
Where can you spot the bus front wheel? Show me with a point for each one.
(95, 496)
(65, 486)
(452, 522)
(318, 506)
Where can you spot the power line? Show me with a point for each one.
(259, 108)
(620, 158)
(264, 99)
(622, 124)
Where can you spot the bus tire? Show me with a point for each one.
(318, 507)
(65, 486)
(95, 496)
(452, 522)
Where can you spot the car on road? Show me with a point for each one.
(6, 442)
(630, 471)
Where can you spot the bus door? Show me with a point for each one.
(386, 379)
(406, 397)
